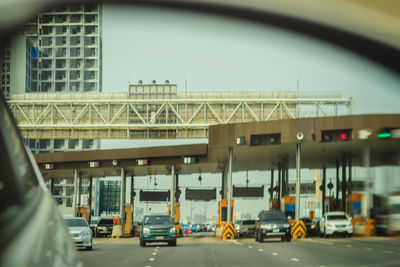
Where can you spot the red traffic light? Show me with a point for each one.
(343, 136)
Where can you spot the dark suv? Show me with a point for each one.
(157, 228)
(104, 227)
(272, 224)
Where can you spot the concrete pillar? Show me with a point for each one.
(344, 185)
(298, 169)
(79, 193)
(52, 186)
(177, 187)
(225, 189)
(132, 191)
(279, 185)
(337, 184)
(368, 196)
(283, 182)
(350, 184)
(172, 194)
(90, 199)
(122, 199)
(229, 220)
(323, 189)
(75, 193)
(271, 193)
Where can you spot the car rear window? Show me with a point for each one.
(157, 220)
(273, 216)
(105, 221)
(337, 217)
(76, 222)
(249, 222)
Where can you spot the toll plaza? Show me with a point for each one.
(276, 146)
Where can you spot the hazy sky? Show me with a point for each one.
(217, 54)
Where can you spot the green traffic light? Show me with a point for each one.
(384, 135)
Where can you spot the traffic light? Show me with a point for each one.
(384, 133)
(336, 135)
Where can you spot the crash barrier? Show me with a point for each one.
(229, 232)
(218, 232)
(116, 231)
(299, 230)
(370, 228)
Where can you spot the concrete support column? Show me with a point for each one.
(177, 187)
(229, 220)
(323, 189)
(283, 182)
(271, 193)
(75, 193)
(368, 196)
(132, 191)
(344, 183)
(122, 199)
(279, 185)
(298, 169)
(52, 186)
(172, 194)
(79, 193)
(350, 185)
(286, 177)
(90, 199)
(225, 187)
(337, 184)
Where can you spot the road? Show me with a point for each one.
(201, 249)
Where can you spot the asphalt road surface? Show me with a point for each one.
(202, 249)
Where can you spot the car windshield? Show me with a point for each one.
(105, 222)
(157, 220)
(248, 222)
(273, 216)
(337, 217)
(76, 222)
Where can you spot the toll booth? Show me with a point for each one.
(223, 212)
(289, 207)
(177, 216)
(354, 206)
(128, 219)
(82, 212)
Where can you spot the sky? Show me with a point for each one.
(218, 54)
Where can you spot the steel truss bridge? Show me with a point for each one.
(117, 116)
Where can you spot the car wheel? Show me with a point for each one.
(283, 238)
(142, 243)
(256, 236)
(325, 235)
(172, 243)
(89, 248)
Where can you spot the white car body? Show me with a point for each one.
(336, 222)
(81, 235)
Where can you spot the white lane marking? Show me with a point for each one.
(317, 241)
(151, 259)
(237, 243)
(157, 247)
(154, 253)
(94, 242)
(368, 248)
(148, 266)
(387, 251)
(250, 246)
(274, 253)
(348, 245)
(156, 250)
(260, 249)
(294, 259)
